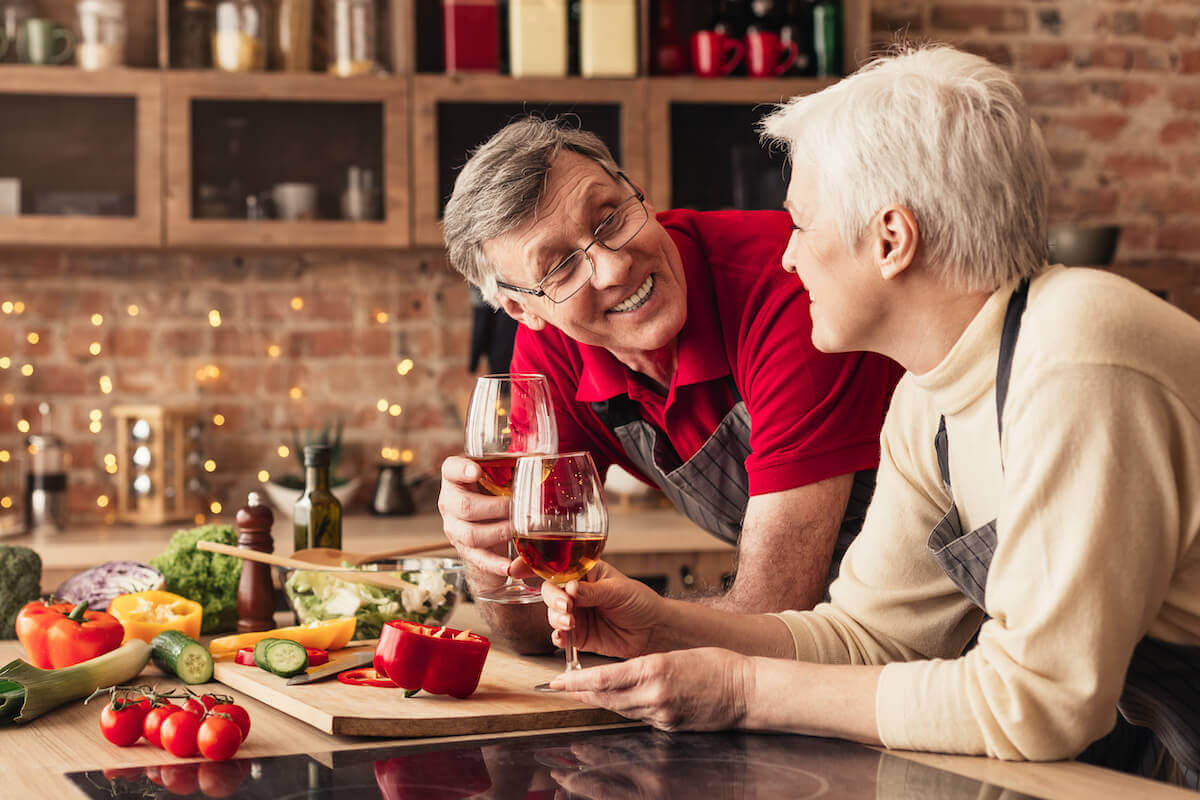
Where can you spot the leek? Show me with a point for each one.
(27, 692)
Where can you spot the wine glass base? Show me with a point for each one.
(511, 594)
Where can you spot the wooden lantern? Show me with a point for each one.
(159, 464)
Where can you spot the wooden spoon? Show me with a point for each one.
(330, 556)
(384, 579)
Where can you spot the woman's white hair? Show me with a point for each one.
(500, 186)
(947, 135)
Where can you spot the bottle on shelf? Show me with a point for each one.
(352, 33)
(798, 27)
(102, 31)
(666, 42)
(317, 515)
(291, 44)
(537, 38)
(239, 40)
(256, 593)
(191, 35)
(827, 38)
(608, 46)
(472, 35)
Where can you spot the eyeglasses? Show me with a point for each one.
(576, 270)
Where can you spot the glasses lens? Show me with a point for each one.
(623, 225)
(568, 277)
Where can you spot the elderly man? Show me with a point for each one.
(674, 346)
(1040, 467)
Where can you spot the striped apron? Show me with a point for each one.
(1158, 728)
(712, 487)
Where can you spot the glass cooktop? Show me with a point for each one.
(611, 765)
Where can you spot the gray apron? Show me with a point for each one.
(712, 487)
(1158, 728)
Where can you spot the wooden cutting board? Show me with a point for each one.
(504, 701)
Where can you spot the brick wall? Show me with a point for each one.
(360, 317)
(1115, 85)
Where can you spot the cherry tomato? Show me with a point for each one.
(239, 714)
(181, 779)
(154, 773)
(210, 700)
(193, 705)
(219, 738)
(179, 733)
(152, 726)
(222, 778)
(130, 774)
(121, 721)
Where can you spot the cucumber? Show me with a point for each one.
(260, 651)
(176, 653)
(283, 657)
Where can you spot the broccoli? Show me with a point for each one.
(20, 583)
(210, 579)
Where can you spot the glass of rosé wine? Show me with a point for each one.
(510, 416)
(560, 520)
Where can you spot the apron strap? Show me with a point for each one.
(1008, 346)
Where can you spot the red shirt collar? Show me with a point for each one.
(701, 348)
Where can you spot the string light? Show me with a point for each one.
(95, 427)
(5, 362)
(406, 456)
(27, 370)
(405, 366)
(94, 348)
(295, 393)
(214, 507)
(389, 453)
(263, 476)
(297, 303)
(4, 456)
(7, 307)
(395, 410)
(97, 320)
(95, 415)
(133, 310)
(6, 502)
(283, 451)
(32, 337)
(9, 399)
(218, 420)
(106, 385)
(23, 425)
(273, 351)
(214, 318)
(381, 317)
(198, 519)
(19, 307)
(102, 501)
(382, 405)
(210, 465)
(111, 469)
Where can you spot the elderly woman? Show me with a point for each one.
(1040, 469)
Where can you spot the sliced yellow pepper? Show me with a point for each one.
(330, 634)
(144, 615)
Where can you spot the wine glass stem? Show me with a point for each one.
(510, 581)
(572, 653)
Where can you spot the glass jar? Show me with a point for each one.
(13, 14)
(102, 32)
(352, 32)
(239, 40)
(46, 484)
(291, 49)
(192, 36)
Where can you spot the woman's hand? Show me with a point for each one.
(607, 612)
(703, 689)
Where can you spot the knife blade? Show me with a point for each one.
(340, 663)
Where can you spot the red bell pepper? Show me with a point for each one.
(437, 775)
(438, 660)
(61, 634)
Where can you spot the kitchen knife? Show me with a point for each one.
(340, 663)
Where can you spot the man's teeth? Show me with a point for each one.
(639, 297)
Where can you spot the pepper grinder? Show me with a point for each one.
(256, 593)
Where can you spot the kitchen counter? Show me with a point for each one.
(656, 542)
(36, 756)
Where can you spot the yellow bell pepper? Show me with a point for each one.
(330, 634)
(144, 615)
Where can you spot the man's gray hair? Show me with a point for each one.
(499, 188)
(947, 135)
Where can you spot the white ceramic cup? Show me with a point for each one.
(295, 200)
(10, 197)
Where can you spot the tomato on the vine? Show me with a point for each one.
(223, 778)
(219, 737)
(122, 718)
(193, 705)
(179, 733)
(239, 715)
(152, 726)
(180, 779)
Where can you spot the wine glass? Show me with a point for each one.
(510, 416)
(560, 521)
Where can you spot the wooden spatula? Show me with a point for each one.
(332, 557)
(384, 579)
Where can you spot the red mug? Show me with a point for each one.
(715, 54)
(767, 56)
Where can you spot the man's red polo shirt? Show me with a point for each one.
(813, 415)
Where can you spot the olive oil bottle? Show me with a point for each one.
(317, 515)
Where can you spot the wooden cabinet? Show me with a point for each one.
(156, 135)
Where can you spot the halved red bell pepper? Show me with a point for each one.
(62, 634)
(438, 660)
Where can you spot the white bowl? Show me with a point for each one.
(284, 499)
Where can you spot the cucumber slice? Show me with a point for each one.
(176, 653)
(260, 651)
(285, 658)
